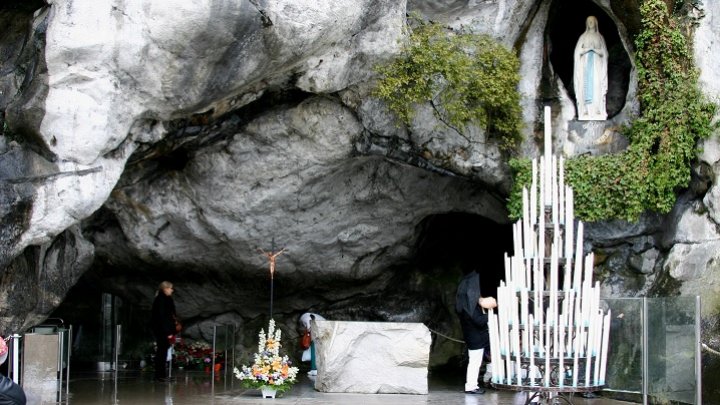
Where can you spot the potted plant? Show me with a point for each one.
(271, 372)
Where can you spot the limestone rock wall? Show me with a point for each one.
(171, 139)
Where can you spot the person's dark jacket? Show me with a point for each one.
(472, 319)
(163, 316)
(11, 393)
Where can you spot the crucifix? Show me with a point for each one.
(272, 256)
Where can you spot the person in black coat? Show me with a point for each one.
(470, 307)
(10, 392)
(163, 326)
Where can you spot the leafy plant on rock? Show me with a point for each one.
(467, 78)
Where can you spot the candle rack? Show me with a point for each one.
(549, 337)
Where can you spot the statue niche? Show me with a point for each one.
(590, 76)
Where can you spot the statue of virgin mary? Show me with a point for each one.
(590, 75)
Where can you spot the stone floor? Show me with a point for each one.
(194, 388)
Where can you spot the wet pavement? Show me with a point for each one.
(197, 387)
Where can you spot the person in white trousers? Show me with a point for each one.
(470, 307)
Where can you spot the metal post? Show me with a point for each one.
(61, 350)
(169, 363)
(214, 347)
(234, 332)
(225, 351)
(228, 363)
(16, 358)
(645, 355)
(698, 351)
(117, 346)
(116, 361)
(69, 352)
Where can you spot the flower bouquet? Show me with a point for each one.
(270, 370)
(193, 355)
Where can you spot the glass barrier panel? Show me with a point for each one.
(671, 350)
(624, 364)
(224, 343)
(221, 338)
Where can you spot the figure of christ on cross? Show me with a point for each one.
(271, 257)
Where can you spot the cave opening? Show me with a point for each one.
(566, 22)
(457, 243)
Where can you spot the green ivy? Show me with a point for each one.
(663, 139)
(467, 78)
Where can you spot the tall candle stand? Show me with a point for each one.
(549, 337)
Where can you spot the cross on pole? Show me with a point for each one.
(272, 256)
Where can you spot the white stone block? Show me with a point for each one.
(371, 357)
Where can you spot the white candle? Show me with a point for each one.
(553, 282)
(548, 343)
(502, 309)
(570, 317)
(561, 354)
(587, 299)
(547, 187)
(557, 240)
(588, 355)
(505, 333)
(578, 311)
(526, 223)
(501, 316)
(492, 331)
(547, 152)
(499, 367)
(533, 193)
(571, 205)
(507, 268)
(528, 273)
(598, 339)
(579, 255)
(509, 369)
(567, 274)
(604, 353)
(493, 344)
(542, 186)
(517, 234)
(564, 311)
(595, 308)
(514, 309)
(541, 297)
(526, 205)
(589, 259)
(556, 336)
(554, 191)
(531, 369)
(577, 355)
(541, 337)
(513, 272)
(541, 235)
(518, 354)
(532, 251)
(540, 263)
(524, 341)
(561, 189)
(508, 351)
(524, 307)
